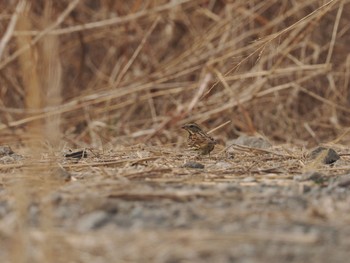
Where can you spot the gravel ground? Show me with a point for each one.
(157, 205)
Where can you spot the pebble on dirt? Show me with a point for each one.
(330, 155)
(193, 165)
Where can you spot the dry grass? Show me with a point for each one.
(110, 75)
(137, 71)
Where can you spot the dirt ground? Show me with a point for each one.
(150, 204)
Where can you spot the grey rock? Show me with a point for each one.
(61, 174)
(93, 221)
(342, 181)
(249, 179)
(328, 155)
(314, 176)
(252, 141)
(8, 156)
(193, 165)
(5, 150)
(223, 165)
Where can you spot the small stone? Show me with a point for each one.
(56, 198)
(93, 221)
(76, 154)
(8, 156)
(249, 179)
(314, 176)
(5, 150)
(251, 141)
(223, 165)
(6, 159)
(193, 165)
(230, 154)
(343, 181)
(304, 188)
(61, 174)
(328, 155)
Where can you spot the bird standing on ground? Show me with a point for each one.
(199, 140)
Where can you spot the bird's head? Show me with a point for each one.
(192, 128)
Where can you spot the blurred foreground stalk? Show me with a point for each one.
(28, 65)
(40, 71)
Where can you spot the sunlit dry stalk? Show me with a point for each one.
(28, 67)
(28, 62)
(11, 26)
(51, 72)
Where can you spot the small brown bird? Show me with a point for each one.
(199, 140)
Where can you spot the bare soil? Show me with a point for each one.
(140, 204)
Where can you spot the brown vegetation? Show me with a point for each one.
(140, 69)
